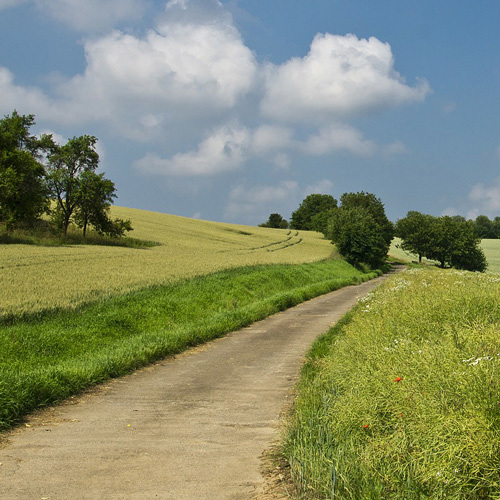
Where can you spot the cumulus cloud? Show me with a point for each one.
(339, 137)
(267, 138)
(192, 73)
(27, 100)
(486, 198)
(223, 151)
(340, 77)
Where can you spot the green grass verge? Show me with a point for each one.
(401, 400)
(46, 358)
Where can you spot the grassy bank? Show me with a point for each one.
(47, 357)
(402, 399)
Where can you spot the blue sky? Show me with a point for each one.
(230, 110)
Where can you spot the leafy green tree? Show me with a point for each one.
(95, 197)
(275, 221)
(312, 205)
(414, 231)
(357, 236)
(66, 166)
(375, 207)
(23, 191)
(456, 244)
(320, 222)
(484, 227)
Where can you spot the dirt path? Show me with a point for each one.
(191, 427)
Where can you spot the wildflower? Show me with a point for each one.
(397, 379)
(365, 426)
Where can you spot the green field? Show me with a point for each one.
(37, 278)
(402, 399)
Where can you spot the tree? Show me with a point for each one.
(23, 191)
(414, 231)
(320, 222)
(94, 198)
(376, 209)
(484, 227)
(312, 205)
(66, 165)
(275, 221)
(456, 244)
(452, 241)
(357, 236)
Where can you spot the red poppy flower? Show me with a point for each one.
(397, 379)
(366, 426)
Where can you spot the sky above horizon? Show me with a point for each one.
(231, 110)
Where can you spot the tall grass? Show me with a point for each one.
(47, 357)
(402, 399)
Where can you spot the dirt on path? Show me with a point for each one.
(190, 427)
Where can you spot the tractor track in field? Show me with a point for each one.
(195, 426)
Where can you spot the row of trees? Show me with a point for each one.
(362, 232)
(451, 241)
(38, 176)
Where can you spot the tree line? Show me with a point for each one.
(362, 233)
(39, 177)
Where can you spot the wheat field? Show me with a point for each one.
(38, 278)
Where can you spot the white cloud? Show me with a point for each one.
(341, 76)
(27, 100)
(486, 198)
(267, 138)
(339, 137)
(223, 151)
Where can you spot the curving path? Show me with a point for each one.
(190, 427)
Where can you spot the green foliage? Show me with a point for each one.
(415, 231)
(312, 205)
(49, 356)
(23, 193)
(360, 229)
(94, 200)
(401, 400)
(486, 228)
(275, 221)
(66, 166)
(375, 208)
(357, 236)
(320, 222)
(452, 241)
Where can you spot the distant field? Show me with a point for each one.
(36, 278)
(491, 249)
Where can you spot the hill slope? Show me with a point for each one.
(36, 278)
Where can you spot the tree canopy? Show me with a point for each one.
(275, 221)
(360, 229)
(451, 241)
(311, 206)
(34, 171)
(24, 196)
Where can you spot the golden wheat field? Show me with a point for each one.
(36, 278)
